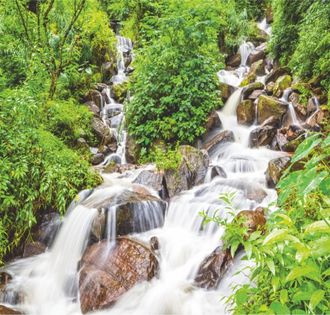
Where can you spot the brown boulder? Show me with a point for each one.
(234, 61)
(108, 274)
(245, 113)
(270, 106)
(132, 151)
(275, 170)
(258, 68)
(94, 96)
(300, 109)
(152, 179)
(262, 136)
(258, 54)
(276, 73)
(252, 220)
(212, 269)
(33, 249)
(213, 121)
(4, 310)
(221, 137)
(250, 88)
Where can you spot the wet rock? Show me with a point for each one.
(250, 88)
(300, 109)
(258, 54)
(311, 106)
(82, 144)
(213, 268)
(275, 170)
(258, 68)
(106, 275)
(213, 121)
(98, 226)
(132, 150)
(245, 113)
(218, 171)
(154, 243)
(97, 158)
(272, 121)
(102, 132)
(262, 136)
(4, 310)
(33, 249)
(120, 91)
(225, 91)
(281, 84)
(315, 120)
(190, 172)
(119, 168)
(252, 220)
(234, 61)
(105, 96)
(93, 108)
(270, 106)
(153, 179)
(250, 78)
(255, 94)
(100, 86)
(275, 74)
(5, 278)
(104, 149)
(220, 138)
(129, 70)
(270, 88)
(94, 96)
(108, 69)
(294, 132)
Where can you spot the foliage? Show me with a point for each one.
(291, 272)
(37, 171)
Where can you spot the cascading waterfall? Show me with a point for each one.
(292, 112)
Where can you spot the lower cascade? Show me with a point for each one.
(136, 244)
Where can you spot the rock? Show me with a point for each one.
(96, 97)
(220, 138)
(104, 278)
(311, 106)
(103, 133)
(108, 69)
(245, 113)
(250, 78)
(105, 97)
(154, 243)
(272, 121)
(262, 136)
(315, 119)
(269, 14)
(250, 88)
(270, 88)
(258, 68)
(213, 121)
(82, 143)
(225, 91)
(190, 172)
(104, 149)
(218, 171)
(275, 170)
(100, 86)
(93, 108)
(268, 106)
(5, 278)
(153, 179)
(294, 132)
(252, 220)
(98, 226)
(120, 91)
(258, 54)
(212, 269)
(132, 150)
(255, 94)
(97, 158)
(33, 249)
(281, 84)
(4, 310)
(234, 61)
(275, 74)
(301, 110)
(119, 168)
(129, 70)
(292, 145)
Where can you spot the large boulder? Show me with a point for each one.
(300, 108)
(245, 112)
(258, 68)
(212, 269)
(190, 172)
(119, 91)
(220, 138)
(4, 310)
(132, 150)
(103, 133)
(316, 119)
(213, 121)
(107, 274)
(97, 158)
(247, 91)
(94, 96)
(268, 106)
(152, 179)
(252, 220)
(225, 91)
(281, 84)
(275, 170)
(217, 171)
(234, 61)
(258, 54)
(262, 136)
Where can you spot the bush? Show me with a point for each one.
(37, 171)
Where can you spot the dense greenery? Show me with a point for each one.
(301, 37)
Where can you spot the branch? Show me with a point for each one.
(22, 19)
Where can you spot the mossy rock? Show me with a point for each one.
(258, 67)
(281, 84)
(250, 78)
(270, 106)
(120, 91)
(245, 113)
(247, 91)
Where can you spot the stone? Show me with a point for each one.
(300, 109)
(97, 158)
(119, 168)
(33, 249)
(212, 269)
(82, 143)
(276, 73)
(119, 91)
(262, 136)
(108, 69)
(311, 106)
(102, 132)
(245, 112)
(291, 146)
(152, 179)
(220, 138)
(255, 94)
(217, 171)
(250, 88)
(213, 121)
(269, 14)
(294, 132)
(315, 119)
(132, 150)
(225, 91)
(98, 226)
(253, 220)
(105, 97)
(275, 170)
(190, 172)
(268, 106)
(281, 84)
(250, 78)
(100, 86)
(272, 121)
(270, 88)
(258, 68)
(108, 274)
(94, 96)
(154, 243)
(234, 61)
(258, 54)
(93, 107)
(4, 310)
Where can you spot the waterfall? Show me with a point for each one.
(293, 116)
(245, 49)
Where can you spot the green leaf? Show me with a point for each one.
(279, 308)
(320, 247)
(318, 226)
(306, 147)
(309, 271)
(271, 266)
(316, 298)
(284, 296)
(275, 236)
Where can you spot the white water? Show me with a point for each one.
(265, 27)
(293, 116)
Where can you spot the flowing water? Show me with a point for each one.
(49, 281)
